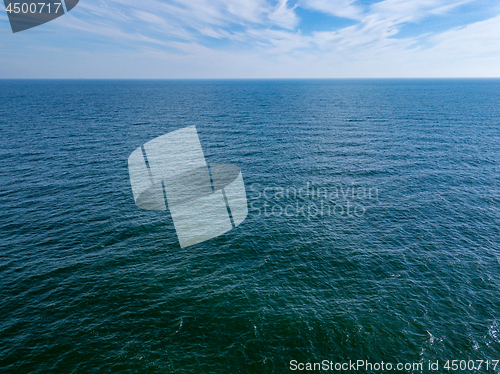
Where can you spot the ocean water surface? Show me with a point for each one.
(373, 230)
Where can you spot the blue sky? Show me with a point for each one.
(259, 39)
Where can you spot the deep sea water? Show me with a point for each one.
(89, 283)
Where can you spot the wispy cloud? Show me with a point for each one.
(480, 39)
(283, 15)
(260, 34)
(339, 8)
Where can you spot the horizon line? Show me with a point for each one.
(247, 79)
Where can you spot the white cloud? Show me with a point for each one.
(284, 16)
(480, 39)
(400, 11)
(377, 28)
(338, 8)
(268, 42)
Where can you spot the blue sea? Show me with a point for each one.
(373, 230)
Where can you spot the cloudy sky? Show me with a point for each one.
(259, 39)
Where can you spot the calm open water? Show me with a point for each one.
(390, 253)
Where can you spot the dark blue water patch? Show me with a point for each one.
(91, 283)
